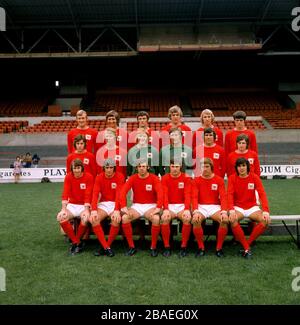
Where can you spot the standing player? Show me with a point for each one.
(105, 204)
(209, 201)
(76, 199)
(143, 124)
(210, 150)
(242, 203)
(175, 114)
(240, 127)
(242, 151)
(177, 203)
(82, 128)
(81, 153)
(207, 119)
(112, 119)
(147, 202)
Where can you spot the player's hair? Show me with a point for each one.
(143, 113)
(142, 161)
(76, 163)
(174, 109)
(78, 138)
(242, 161)
(113, 113)
(241, 137)
(207, 161)
(109, 162)
(81, 112)
(209, 131)
(239, 115)
(207, 111)
(176, 161)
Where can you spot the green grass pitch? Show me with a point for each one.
(39, 270)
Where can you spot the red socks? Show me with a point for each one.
(222, 232)
(256, 232)
(166, 232)
(100, 235)
(127, 230)
(113, 233)
(155, 230)
(68, 229)
(198, 233)
(186, 231)
(240, 236)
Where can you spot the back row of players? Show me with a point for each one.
(176, 195)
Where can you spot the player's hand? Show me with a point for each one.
(224, 217)
(93, 216)
(197, 217)
(116, 216)
(186, 215)
(232, 216)
(166, 216)
(85, 216)
(62, 215)
(266, 217)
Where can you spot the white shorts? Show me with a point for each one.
(176, 208)
(207, 210)
(108, 207)
(75, 209)
(248, 212)
(142, 208)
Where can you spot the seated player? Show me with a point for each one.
(242, 203)
(105, 204)
(209, 201)
(177, 200)
(76, 199)
(147, 202)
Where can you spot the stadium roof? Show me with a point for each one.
(126, 27)
(30, 13)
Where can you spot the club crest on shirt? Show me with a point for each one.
(117, 157)
(148, 187)
(251, 160)
(216, 155)
(183, 133)
(113, 185)
(250, 186)
(86, 161)
(150, 139)
(180, 185)
(82, 186)
(214, 187)
(88, 136)
(119, 138)
(149, 155)
(183, 155)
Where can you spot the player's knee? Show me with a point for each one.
(165, 219)
(61, 217)
(125, 218)
(155, 219)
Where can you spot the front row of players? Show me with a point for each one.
(192, 201)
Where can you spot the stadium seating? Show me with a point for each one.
(24, 107)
